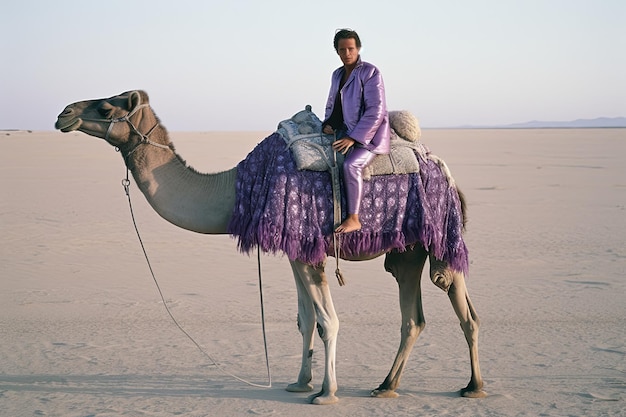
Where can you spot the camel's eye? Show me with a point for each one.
(107, 110)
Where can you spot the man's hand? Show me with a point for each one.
(343, 145)
(328, 130)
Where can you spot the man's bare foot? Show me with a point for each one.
(350, 224)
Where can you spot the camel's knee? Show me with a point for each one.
(328, 329)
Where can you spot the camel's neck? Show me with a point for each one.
(198, 202)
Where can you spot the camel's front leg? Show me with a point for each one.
(454, 283)
(407, 268)
(313, 282)
(306, 325)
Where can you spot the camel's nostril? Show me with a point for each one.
(67, 111)
(67, 120)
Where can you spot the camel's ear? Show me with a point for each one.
(134, 100)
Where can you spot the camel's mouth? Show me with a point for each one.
(68, 125)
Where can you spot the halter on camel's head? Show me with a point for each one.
(69, 121)
(136, 105)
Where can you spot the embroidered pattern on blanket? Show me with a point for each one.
(283, 210)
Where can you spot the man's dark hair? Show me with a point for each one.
(346, 34)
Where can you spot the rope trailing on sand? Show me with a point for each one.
(126, 185)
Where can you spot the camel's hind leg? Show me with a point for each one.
(453, 282)
(317, 305)
(407, 268)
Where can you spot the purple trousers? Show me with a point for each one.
(353, 165)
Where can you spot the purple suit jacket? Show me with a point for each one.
(364, 107)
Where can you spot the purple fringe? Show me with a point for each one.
(281, 209)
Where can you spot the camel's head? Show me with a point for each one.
(114, 119)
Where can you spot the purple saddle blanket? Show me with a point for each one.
(283, 210)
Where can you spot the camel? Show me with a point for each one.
(203, 203)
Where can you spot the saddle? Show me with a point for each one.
(312, 150)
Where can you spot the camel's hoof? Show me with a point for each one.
(384, 393)
(298, 387)
(473, 393)
(323, 399)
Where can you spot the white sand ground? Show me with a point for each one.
(84, 333)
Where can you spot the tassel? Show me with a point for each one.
(339, 276)
(337, 245)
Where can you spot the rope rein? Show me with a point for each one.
(126, 185)
(145, 139)
(334, 172)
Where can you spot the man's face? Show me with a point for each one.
(347, 51)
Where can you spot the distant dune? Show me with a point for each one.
(579, 123)
(600, 122)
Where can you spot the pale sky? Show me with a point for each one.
(246, 65)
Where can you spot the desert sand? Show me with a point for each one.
(84, 331)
